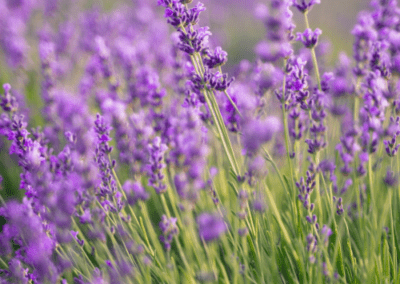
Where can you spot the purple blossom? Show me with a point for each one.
(134, 192)
(216, 59)
(169, 230)
(12, 40)
(279, 27)
(187, 153)
(339, 205)
(243, 232)
(311, 243)
(258, 204)
(8, 102)
(156, 164)
(303, 6)
(326, 232)
(211, 226)
(391, 179)
(194, 41)
(309, 38)
(327, 166)
(26, 229)
(391, 147)
(75, 235)
(258, 132)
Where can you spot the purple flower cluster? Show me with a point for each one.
(309, 38)
(277, 19)
(193, 40)
(156, 165)
(169, 230)
(211, 226)
(303, 6)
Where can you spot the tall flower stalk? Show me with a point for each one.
(194, 42)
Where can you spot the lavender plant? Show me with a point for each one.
(140, 161)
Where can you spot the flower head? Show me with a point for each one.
(309, 38)
(303, 6)
(211, 226)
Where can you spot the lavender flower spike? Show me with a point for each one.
(156, 165)
(309, 38)
(169, 230)
(216, 59)
(211, 226)
(303, 6)
(8, 102)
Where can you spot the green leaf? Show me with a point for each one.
(277, 215)
(386, 259)
(339, 261)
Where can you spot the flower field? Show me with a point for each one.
(131, 151)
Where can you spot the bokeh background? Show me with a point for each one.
(233, 23)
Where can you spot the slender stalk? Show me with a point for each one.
(269, 159)
(317, 188)
(217, 117)
(313, 56)
(3, 263)
(371, 192)
(181, 253)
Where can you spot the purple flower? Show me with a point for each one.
(327, 166)
(8, 102)
(75, 235)
(134, 192)
(16, 272)
(12, 39)
(243, 232)
(258, 204)
(216, 59)
(391, 179)
(169, 230)
(271, 52)
(156, 165)
(311, 243)
(309, 38)
(211, 226)
(303, 6)
(25, 228)
(339, 205)
(194, 41)
(279, 27)
(258, 132)
(187, 153)
(326, 232)
(391, 145)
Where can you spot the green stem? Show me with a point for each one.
(317, 188)
(314, 57)
(3, 263)
(371, 192)
(152, 233)
(217, 117)
(269, 159)
(181, 253)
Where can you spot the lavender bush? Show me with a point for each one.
(141, 161)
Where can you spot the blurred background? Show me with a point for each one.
(233, 23)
